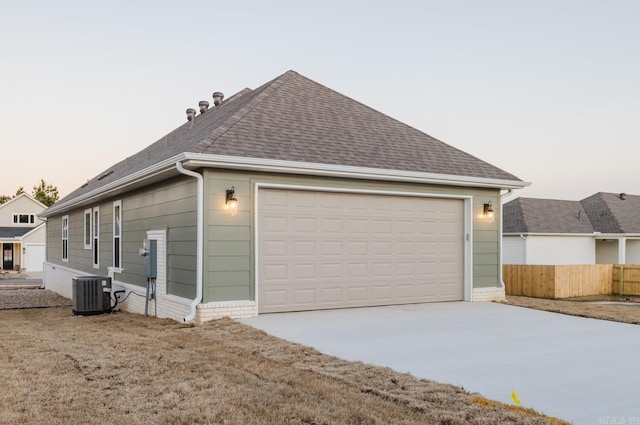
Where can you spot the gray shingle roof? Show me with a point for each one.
(529, 215)
(14, 232)
(293, 118)
(609, 213)
(602, 212)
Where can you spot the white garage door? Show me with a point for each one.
(34, 257)
(319, 250)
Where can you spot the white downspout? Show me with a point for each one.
(200, 233)
(502, 196)
(46, 249)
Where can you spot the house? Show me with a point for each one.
(22, 234)
(601, 229)
(287, 197)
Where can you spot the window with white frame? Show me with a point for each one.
(87, 228)
(24, 218)
(117, 234)
(65, 238)
(96, 237)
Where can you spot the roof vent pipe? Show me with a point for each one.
(217, 98)
(191, 113)
(204, 106)
(622, 195)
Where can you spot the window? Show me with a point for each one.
(87, 229)
(65, 238)
(117, 232)
(96, 237)
(24, 218)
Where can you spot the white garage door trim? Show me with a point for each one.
(467, 225)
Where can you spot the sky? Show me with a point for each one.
(546, 90)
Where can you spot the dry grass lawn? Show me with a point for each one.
(129, 369)
(585, 307)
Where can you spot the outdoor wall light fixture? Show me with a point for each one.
(488, 211)
(232, 201)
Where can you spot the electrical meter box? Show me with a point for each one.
(149, 252)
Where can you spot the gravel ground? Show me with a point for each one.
(31, 298)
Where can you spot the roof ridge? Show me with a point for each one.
(396, 120)
(593, 214)
(615, 216)
(523, 214)
(263, 92)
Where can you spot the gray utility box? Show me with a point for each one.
(91, 295)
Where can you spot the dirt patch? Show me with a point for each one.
(130, 369)
(585, 307)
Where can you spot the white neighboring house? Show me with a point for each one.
(22, 234)
(601, 229)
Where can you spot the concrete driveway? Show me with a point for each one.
(585, 371)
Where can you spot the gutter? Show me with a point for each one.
(500, 277)
(197, 160)
(199, 237)
(116, 185)
(331, 170)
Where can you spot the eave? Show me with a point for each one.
(596, 235)
(344, 171)
(194, 161)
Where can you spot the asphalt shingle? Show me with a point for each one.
(601, 212)
(293, 118)
(613, 212)
(14, 232)
(530, 215)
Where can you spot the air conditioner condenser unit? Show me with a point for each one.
(91, 295)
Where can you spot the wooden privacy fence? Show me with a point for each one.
(562, 281)
(626, 279)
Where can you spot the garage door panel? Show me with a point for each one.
(382, 248)
(382, 294)
(355, 270)
(301, 248)
(405, 227)
(332, 295)
(304, 271)
(405, 292)
(448, 248)
(356, 226)
(275, 272)
(274, 224)
(405, 269)
(329, 271)
(326, 250)
(303, 225)
(357, 295)
(274, 299)
(303, 297)
(427, 248)
(331, 247)
(275, 247)
(331, 225)
(405, 248)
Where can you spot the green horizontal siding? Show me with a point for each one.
(229, 239)
(169, 205)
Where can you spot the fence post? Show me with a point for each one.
(621, 279)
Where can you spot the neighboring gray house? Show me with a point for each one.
(601, 229)
(338, 205)
(22, 234)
